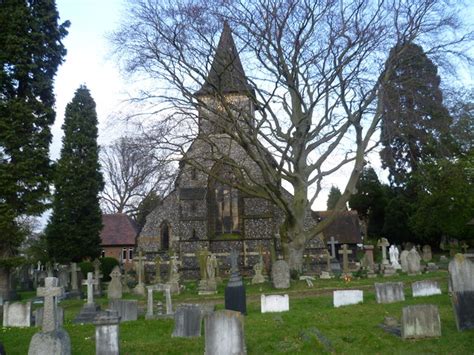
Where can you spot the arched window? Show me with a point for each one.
(227, 209)
(165, 236)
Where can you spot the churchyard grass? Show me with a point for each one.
(312, 325)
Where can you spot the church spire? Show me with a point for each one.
(227, 74)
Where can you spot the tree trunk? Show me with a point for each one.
(5, 291)
(295, 257)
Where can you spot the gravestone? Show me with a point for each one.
(274, 303)
(403, 260)
(107, 333)
(173, 282)
(17, 314)
(208, 285)
(39, 313)
(258, 278)
(281, 274)
(52, 339)
(332, 242)
(140, 287)
(368, 260)
(127, 310)
(421, 321)
(394, 254)
(75, 292)
(187, 321)
(389, 292)
(97, 276)
(224, 333)
(63, 276)
(347, 297)
(235, 294)
(427, 255)
(114, 290)
(157, 270)
(345, 252)
(413, 262)
(167, 292)
(90, 310)
(383, 244)
(461, 274)
(425, 288)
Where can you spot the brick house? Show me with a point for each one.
(119, 235)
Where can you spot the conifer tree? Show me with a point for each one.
(333, 197)
(30, 54)
(73, 232)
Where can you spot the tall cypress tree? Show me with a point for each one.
(30, 53)
(414, 121)
(73, 232)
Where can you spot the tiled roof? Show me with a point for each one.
(345, 228)
(227, 74)
(118, 229)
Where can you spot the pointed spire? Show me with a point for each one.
(227, 74)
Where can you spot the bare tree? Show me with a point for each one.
(314, 69)
(132, 171)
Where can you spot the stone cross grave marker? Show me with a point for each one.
(345, 252)
(90, 282)
(139, 288)
(332, 242)
(384, 244)
(49, 292)
(158, 269)
(97, 276)
(74, 271)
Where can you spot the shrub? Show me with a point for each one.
(106, 266)
(86, 266)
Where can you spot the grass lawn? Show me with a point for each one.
(312, 325)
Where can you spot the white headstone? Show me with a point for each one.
(274, 303)
(347, 297)
(16, 314)
(425, 288)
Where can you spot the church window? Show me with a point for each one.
(165, 236)
(227, 209)
(193, 174)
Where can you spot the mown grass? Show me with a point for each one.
(313, 325)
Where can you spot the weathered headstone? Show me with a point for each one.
(332, 242)
(39, 313)
(347, 297)
(425, 288)
(345, 251)
(383, 244)
(235, 294)
(174, 274)
(461, 273)
(413, 262)
(97, 276)
(63, 277)
(421, 321)
(258, 278)
(90, 310)
(224, 332)
(107, 333)
(274, 303)
(52, 339)
(158, 269)
(187, 321)
(403, 260)
(127, 309)
(140, 287)
(114, 290)
(427, 255)
(208, 285)
(75, 292)
(281, 274)
(17, 314)
(389, 292)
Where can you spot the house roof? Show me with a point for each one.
(227, 74)
(118, 229)
(345, 228)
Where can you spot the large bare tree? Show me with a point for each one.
(314, 69)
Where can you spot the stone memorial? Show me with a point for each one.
(413, 262)
(165, 288)
(347, 297)
(274, 303)
(235, 294)
(63, 277)
(187, 321)
(97, 276)
(383, 244)
(394, 255)
(426, 253)
(157, 278)
(345, 252)
(421, 321)
(174, 274)
(39, 313)
(107, 333)
(114, 290)
(90, 310)
(368, 259)
(258, 278)
(403, 260)
(281, 274)
(389, 292)
(208, 284)
(75, 292)
(332, 242)
(140, 287)
(224, 333)
(425, 288)
(127, 310)
(461, 275)
(52, 339)
(17, 314)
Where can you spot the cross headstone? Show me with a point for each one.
(140, 288)
(90, 282)
(332, 242)
(49, 292)
(74, 271)
(328, 260)
(158, 269)
(97, 276)
(345, 257)
(384, 244)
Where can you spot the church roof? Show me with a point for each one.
(227, 74)
(118, 229)
(345, 228)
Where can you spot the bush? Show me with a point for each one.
(86, 266)
(106, 266)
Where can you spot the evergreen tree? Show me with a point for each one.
(333, 197)
(414, 121)
(73, 232)
(30, 53)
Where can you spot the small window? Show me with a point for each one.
(193, 174)
(130, 254)
(102, 253)
(124, 254)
